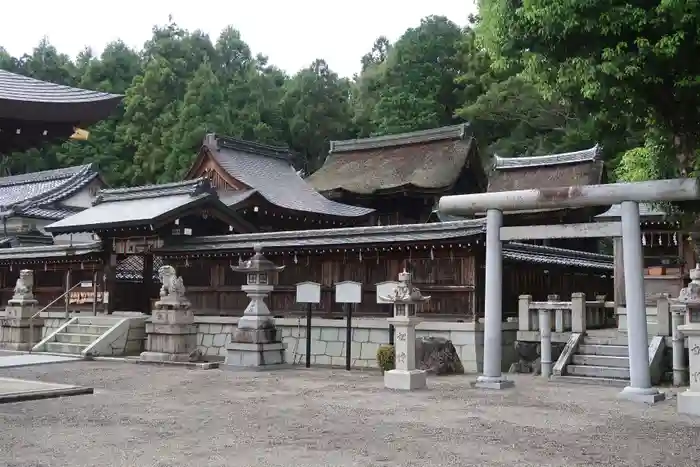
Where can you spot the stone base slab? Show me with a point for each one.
(162, 357)
(493, 383)
(17, 390)
(689, 403)
(16, 346)
(405, 380)
(247, 355)
(19, 337)
(257, 336)
(648, 396)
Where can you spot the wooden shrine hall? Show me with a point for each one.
(239, 193)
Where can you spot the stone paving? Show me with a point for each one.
(15, 359)
(144, 415)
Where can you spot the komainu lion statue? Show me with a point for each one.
(173, 289)
(25, 284)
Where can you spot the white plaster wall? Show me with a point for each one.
(328, 339)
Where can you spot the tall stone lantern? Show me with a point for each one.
(256, 343)
(689, 401)
(406, 300)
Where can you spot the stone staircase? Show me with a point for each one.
(599, 360)
(77, 336)
(602, 357)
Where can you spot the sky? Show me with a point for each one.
(292, 34)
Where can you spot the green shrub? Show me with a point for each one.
(385, 358)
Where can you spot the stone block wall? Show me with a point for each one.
(328, 339)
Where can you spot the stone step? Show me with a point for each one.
(604, 340)
(609, 350)
(61, 347)
(618, 383)
(598, 371)
(68, 338)
(601, 360)
(87, 329)
(97, 320)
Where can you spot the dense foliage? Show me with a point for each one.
(530, 77)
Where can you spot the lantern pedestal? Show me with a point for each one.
(689, 400)
(405, 377)
(257, 343)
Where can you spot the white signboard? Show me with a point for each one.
(348, 292)
(308, 292)
(385, 289)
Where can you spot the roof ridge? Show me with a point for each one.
(70, 186)
(452, 132)
(348, 231)
(250, 147)
(585, 155)
(557, 251)
(194, 187)
(42, 175)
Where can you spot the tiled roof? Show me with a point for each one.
(646, 211)
(341, 238)
(353, 237)
(36, 194)
(53, 252)
(267, 170)
(567, 169)
(421, 160)
(556, 256)
(143, 206)
(24, 98)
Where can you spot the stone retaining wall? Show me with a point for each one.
(328, 339)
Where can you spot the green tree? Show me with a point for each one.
(202, 111)
(623, 61)
(316, 106)
(420, 88)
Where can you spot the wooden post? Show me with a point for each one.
(524, 321)
(94, 293)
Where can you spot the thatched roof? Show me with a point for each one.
(421, 161)
(568, 169)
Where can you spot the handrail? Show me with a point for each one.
(31, 318)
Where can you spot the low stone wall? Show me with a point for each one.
(328, 339)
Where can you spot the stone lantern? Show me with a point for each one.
(406, 300)
(689, 401)
(256, 343)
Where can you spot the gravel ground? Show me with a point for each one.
(171, 416)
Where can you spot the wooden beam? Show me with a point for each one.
(540, 232)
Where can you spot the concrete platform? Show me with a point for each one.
(24, 359)
(18, 390)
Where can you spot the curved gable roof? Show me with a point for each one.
(566, 169)
(426, 160)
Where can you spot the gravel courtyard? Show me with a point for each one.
(171, 416)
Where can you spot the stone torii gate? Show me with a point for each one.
(629, 195)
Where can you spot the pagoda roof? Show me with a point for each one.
(420, 161)
(34, 111)
(266, 171)
(39, 194)
(25, 98)
(149, 207)
(566, 169)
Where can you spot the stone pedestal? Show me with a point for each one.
(405, 376)
(171, 335)
(16, 332)
(256, 344)
(689, 400)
